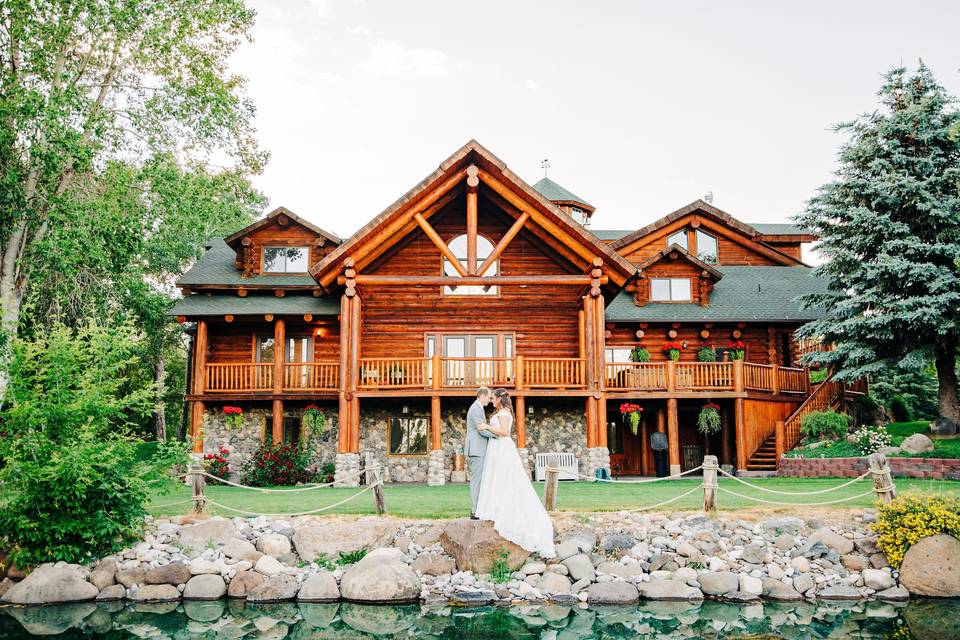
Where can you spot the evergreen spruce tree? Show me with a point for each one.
(890, 229)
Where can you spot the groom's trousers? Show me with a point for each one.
(476, 474)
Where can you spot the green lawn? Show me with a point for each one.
(450, 501)
(943, 447)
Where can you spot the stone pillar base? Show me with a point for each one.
(346, 470)
(436, 475)
(597, 458)
(525, 459)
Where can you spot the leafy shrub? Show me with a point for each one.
(639, 354)
(327, 471)
(281, 464)
(78, 483)
(500, 571)
(706, 354)
(351, 557)
(899, 409)
(824, 424)
(870, 439)
(216, 464)
(709, 419)
(913, 516)
(818, 375)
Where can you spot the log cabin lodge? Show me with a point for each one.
(474, 277)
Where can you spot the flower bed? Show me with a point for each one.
(933, 468)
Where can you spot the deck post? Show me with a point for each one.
(355, 320)
(199, 385)
(279, 354)
(740, 432)
(199, 482)
(710, 467)
(671, 375)
(780, 438)
(673, 435)
(738, 385)
(775, 379)
(521, 410)
(882, 480)
(435, 422)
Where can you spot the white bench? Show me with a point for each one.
(566, 462)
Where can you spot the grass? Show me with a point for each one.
(942, 447)
(453, 500)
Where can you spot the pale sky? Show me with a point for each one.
(641, 107)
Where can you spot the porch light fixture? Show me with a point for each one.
(405, 409)
(530, 409)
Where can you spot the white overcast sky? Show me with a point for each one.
(641, 107)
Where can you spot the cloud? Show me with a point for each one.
(321, 7)
(391, 58)
(533, 85)
(359, 30)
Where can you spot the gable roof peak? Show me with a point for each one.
(555, 193)
(232, 239)
(682, 254)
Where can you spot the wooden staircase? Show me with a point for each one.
(765, 457)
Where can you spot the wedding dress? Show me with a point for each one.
(507, 496)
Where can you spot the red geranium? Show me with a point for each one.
(673, 346)
(629, 407)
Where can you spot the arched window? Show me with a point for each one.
(459, 248)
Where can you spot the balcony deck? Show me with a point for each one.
(527, 375)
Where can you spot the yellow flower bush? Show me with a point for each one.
(913, 516)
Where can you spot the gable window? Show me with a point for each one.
(678, 238)
(670, 289)
(707, 247)
(579, 215)
(459, 248)
(285, 259)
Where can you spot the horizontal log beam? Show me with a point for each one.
(488, 281)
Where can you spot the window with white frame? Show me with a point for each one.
(459, 248)
(678, 238)
(579, 215)
(670, 289)
(707, 247)
(618, 354)
(285, 259)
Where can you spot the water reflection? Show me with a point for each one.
(234, 620)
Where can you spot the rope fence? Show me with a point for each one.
(879, 471)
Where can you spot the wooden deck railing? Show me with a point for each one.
(704, 375)
(311, 376)
(393, 373)
(793, 380)
(757, 377)
(552, 373)
(459, 373)
(642, 376)
(241, 376)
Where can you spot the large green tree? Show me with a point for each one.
(90, 87)
(890, 229)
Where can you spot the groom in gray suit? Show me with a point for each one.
(475, 447)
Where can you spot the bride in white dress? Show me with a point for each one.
(506, 493)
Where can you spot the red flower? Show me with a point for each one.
(673, 346)
(711, 405)
(629, 407)
(233, 411)
(738, 345)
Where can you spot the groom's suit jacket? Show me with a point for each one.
(476, 440)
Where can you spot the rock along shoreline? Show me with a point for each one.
(603, 558)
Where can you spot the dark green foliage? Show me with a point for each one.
(351, 557)
(825, 425)
(500, 572)
(706, 354)
(917, 387)
(639, 354)
(818, 375)
(899, 409)
(890, 229)
(277, 465)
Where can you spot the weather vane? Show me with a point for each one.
(545, 165)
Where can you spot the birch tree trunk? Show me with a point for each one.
(160, 417)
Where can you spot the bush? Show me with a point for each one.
(870, 439)
(217, 465)
(899, 409)
(825, 424)
(639, 354)
(913, 516)
(706, 354)
(282, 464)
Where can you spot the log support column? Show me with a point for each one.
(592, 341)
(199, 383)
(436, 471)
(279, 354)
(347, 462)
(673, 435)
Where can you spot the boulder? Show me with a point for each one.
(553, 584)
(878, 579)
(434, 564)
(318, 537)
(751, 585)
(612, 593)
(475, 546)
(754, 554)
(237, 548)
(854, 562)
(320, 587)
(196, 538)
(894, 593)
(243, 583)
(803, 582)
(131, 577)
(174, 573)
(832, 540)
(777, 590)
(917, 443)
(669, 590)
(205, 587)
(741, 597)
(156, 593)
(50, 583)
(580, 567)
(268, 566)
(617, 542)
(714, 583)
(944, 427)
(533, 567)
(429, 537)
(113, 592)
(840, 592)
(199, 566)
(274, 589)
(787, 524)
(273, 544)
(5, 585)
(620, 570)
(931, 567)
(104, 574)
(380, 579)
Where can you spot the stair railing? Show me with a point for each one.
(821, 398)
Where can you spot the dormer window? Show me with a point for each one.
(579, 215)
(285, 259)
(670, 290)
(707, 249)
(679, 238)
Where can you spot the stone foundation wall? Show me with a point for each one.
(558, 425)
(934, 468)
(244, 441)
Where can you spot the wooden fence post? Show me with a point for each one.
(550, 489)
(378, 493)
(710, 467)
(882, 480)
(199, 481)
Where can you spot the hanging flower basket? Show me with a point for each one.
(631, 415)
(639, 354)
(709, 419)
(673, 349)
(314, 419)
(233, 417)
(737, 350)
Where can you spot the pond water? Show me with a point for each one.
(919, 619)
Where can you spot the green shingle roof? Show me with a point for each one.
(610, 234)
(745, 294)
(216, 304)
(216, 266)
(554, 192)
(779, 228)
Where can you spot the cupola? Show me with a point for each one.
(570, 203)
